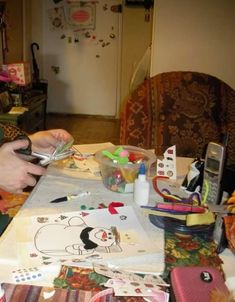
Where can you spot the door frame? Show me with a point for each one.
(119, 62)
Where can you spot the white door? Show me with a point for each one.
(81, 56)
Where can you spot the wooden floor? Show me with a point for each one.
(86, 129)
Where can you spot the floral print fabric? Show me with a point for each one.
(189, 250)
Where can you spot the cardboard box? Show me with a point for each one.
(20, 73)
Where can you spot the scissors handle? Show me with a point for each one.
(28, 149)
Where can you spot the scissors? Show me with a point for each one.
(62, 151)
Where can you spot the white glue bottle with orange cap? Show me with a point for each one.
(2, 294)
(141, 187)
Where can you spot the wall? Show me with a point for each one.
(136, 37)
(37, 30)
(14, 31)
(197, 35)
(27, 30)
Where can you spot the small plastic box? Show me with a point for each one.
(120, 177)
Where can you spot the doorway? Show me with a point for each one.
(81, 62)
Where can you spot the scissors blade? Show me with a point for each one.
(62, 147)
(59, 153)
(63, 155)
(48, 158)
(45, 158)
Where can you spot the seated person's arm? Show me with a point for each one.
(15, 172)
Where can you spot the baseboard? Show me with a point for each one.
(81, 115)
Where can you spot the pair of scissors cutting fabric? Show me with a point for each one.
(62, 151)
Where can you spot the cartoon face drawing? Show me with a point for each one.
(102, 237)
(74, 238)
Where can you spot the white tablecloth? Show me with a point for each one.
(52, 186)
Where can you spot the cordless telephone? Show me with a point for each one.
(213, 171)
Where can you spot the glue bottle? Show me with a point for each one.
(2, 294)
(141, 187)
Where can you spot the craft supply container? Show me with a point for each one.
(119, 177)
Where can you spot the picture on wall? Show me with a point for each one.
(57, 18)
(81, 15)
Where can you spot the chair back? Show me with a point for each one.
(182, 108)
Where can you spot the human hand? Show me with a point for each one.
(15, 172)
(47, 141)
(217, 295)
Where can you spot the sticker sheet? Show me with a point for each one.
(167, 166)
(135, 289)
(24, 275)
(117, 273)
(82, 236)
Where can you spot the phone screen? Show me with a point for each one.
(213, 164)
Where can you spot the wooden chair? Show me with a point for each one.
(182, 108)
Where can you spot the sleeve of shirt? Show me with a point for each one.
(9, 132)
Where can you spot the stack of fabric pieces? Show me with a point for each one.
(9, 205)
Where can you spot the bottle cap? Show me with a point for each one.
(142, 170)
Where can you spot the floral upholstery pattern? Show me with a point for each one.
(182, 108)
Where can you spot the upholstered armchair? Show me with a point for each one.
(186, 109)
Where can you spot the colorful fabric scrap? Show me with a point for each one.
(189, 250)
(229, 222)
(9, 205)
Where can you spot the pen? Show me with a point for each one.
(69, 197)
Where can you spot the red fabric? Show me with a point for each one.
(113, 205)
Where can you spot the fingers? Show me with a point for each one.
(25, 178)
(15, 145)
(61, 134)
(29, 181)
(43, 141)
(17, 184)
(16, 173)
(35, 169)
(47, 141)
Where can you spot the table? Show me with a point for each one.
(50, 187)
(53, 185)
(32, 120)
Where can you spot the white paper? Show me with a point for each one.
(82, 236)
